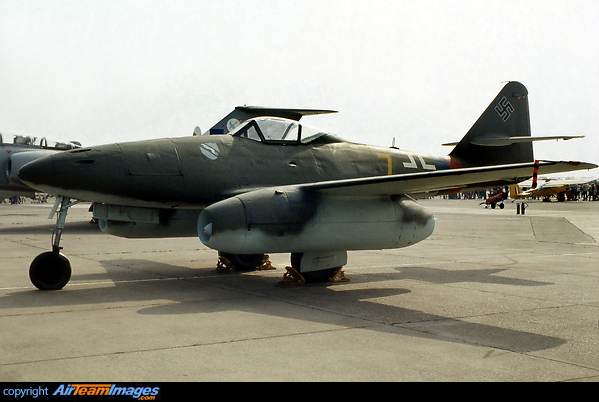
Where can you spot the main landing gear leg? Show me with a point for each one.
(51, 270)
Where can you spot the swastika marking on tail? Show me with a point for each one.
(504, 109)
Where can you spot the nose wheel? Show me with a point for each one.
(51, 270)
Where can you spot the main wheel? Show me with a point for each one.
(244, 262)
(50, 271)
(312, 276)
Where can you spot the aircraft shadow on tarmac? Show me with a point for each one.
(443, 276)
(201, 291)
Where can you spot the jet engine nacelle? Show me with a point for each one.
(293, 220)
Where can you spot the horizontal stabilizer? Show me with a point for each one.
(497, 141)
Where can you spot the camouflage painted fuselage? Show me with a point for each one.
(194, 172)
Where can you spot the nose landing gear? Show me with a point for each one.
(51, 270)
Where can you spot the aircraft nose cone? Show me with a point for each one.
(39, 174)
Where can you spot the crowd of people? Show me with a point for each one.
(586, 192)
(576, 192)
(19, 199)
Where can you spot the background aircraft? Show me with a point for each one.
(17, 150)
(549, 187)
(273, 185)
(496, 197)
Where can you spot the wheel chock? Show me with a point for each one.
(265, 264)
(339, 276)
(292, 277)
(224, 265)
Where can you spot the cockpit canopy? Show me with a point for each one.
(282, 131)
(36, 142)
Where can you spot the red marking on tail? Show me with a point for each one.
(535, 172)
(454, 163)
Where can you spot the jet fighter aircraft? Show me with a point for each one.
(17, 150)
(273, 185)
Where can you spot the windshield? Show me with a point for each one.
(36, 142)
(278, 129)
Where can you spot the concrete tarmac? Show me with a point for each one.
(490, 296)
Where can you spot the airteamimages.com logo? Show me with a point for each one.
(141, 393)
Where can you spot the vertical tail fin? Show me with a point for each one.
(515, 191)
(535, 173)
(507, 116)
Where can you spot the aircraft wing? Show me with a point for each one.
(434, 181)
(565, 182)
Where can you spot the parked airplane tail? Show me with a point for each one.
(501, 135)
(515, 191)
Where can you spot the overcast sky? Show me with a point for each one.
(421, 71)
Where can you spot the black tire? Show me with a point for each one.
(244, 262)
(50, 271)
